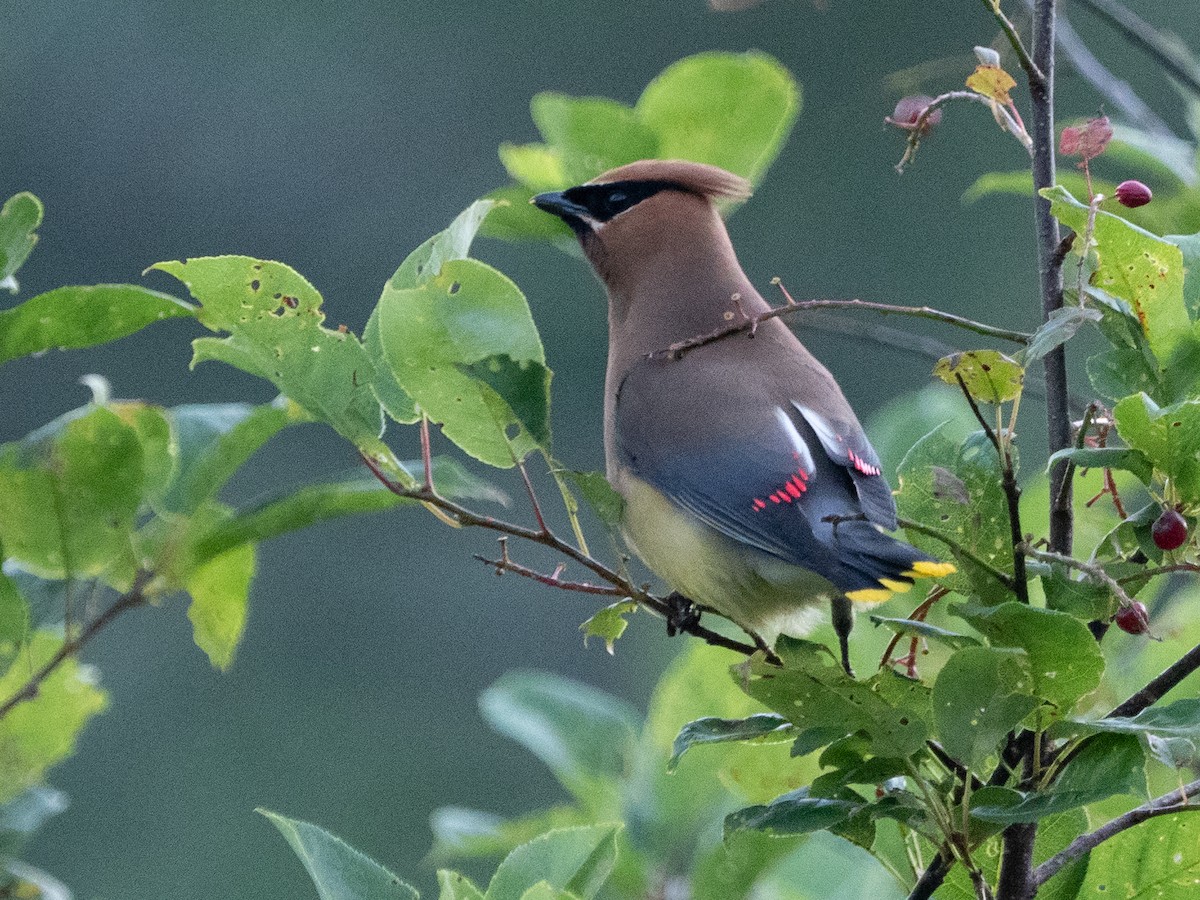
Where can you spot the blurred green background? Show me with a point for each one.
(336, 137)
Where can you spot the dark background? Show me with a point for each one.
(336, 137)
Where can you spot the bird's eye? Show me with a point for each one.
(616, 198)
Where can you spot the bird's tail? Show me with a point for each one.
(876, 566)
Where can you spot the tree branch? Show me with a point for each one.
(917, 129)
(933, 876)
(129, 600)
(1012, 494)
(1156, 689)
(466, 518)
(1171, 802)
(1010, 31)
(750, 324)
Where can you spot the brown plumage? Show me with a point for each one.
(732, 458)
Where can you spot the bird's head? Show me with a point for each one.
(629, 216)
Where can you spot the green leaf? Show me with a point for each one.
(712, 730)
(1189, 246)
(442, 314)
(220, 590)
(1080, 598)
(159, 449)
(794, 813)
(955, 488)
(338, 870)
(577, 860)
(925, 630)
(1065, 662)
(1106, 765)
(68, 318)
(1157, 859)
(350, 494)
(524, 386)
(587, 136)
(812, 691)
(19, 218)
(273, 316)
(472, 834)
(543, 890)
(1169, 436)
(608, 624)
(989, 375)
(41, 731)
(981, 694)
(515, 219)
(1122, 458)
(14, 618)
(1180, 719)
(456, 887)
(606, 503)
(1058, 329)
(69, 496)
(582, 734)
(1143, 270)
(732, 110)
(1055, 833)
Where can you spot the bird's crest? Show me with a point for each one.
(700, 178)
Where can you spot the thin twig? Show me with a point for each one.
(958, 549)
(504, 564)
(1010, 31)
(1063, 497)
(919, 127)
(1012, 494)
(466, 518)
(1161, 570)
(1158, 687)
(1170, 802)
(533, 500)
(961, 771)
(678, 349)
(131, 599)
(1096, 572)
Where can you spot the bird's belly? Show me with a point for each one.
(756, 590)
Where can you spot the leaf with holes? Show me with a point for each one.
(993, 82)
(1143, 270)
(1065, 663)
(274, 319)
(981, 694)
(432, 332)
(989, 375)
(812, 691)
(974, 514)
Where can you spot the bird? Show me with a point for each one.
(749, 485)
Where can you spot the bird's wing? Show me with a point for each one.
(847, 446)
(773, 484)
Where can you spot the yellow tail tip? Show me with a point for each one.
(870, 595)
(929, 569)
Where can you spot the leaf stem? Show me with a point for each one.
(131, 599)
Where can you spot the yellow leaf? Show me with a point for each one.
(993, 82)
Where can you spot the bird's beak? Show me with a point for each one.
(556, 203)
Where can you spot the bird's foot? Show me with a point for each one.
(843, 624)
(682, 614)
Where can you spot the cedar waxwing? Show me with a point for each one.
(732, 458)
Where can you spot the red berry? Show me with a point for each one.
(909, 109)
(1133, 618)
(1169, 531)
(1133, 194)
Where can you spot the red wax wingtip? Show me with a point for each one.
(793, 490)
(759, 504)
(774, 497)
